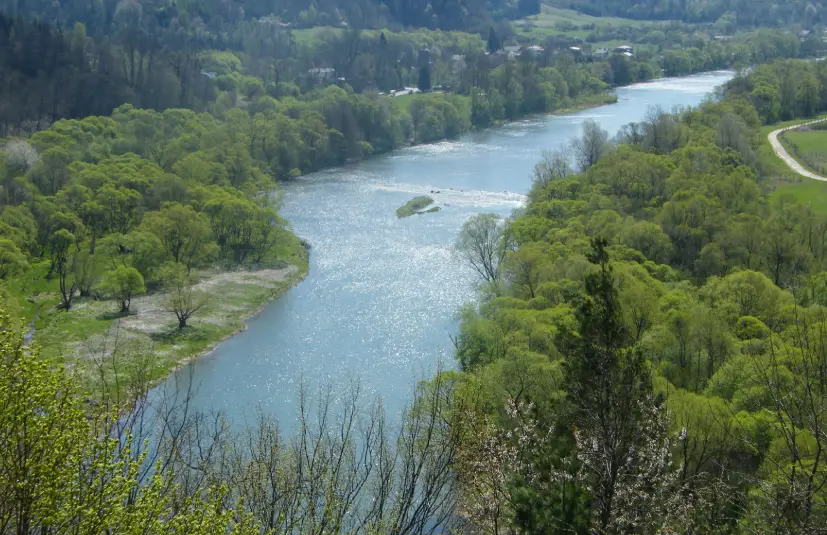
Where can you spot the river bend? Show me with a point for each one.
(381, 297)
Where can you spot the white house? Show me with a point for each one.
(322, 73)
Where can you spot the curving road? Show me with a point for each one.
(782, 153)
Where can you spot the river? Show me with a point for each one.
(381, 297)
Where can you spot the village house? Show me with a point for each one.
(534, 51)
(322, 74)
(601, 53)
(512, 51)
(458, 64)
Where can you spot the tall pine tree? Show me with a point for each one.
(493, 41)
(618, 427)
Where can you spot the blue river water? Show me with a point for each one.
(382, 294)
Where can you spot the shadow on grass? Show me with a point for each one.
(178, 336)
(114, 315)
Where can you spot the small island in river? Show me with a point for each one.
(417, 206)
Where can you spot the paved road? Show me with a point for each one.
(791, 162)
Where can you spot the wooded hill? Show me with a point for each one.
(650, 355)
(216, 16)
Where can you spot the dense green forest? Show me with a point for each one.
(650, 357)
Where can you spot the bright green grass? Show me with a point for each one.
(541, 32)
(810, 193)
(770, 166)
(550, 16)
(313, 36)
(403, 102)
(811, 140)
(550, 19)
(418, 38)
(809, 148)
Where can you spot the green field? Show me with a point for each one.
(809, 148)
(785, 183)
(810, 193)
(553, 20)
(550, 16)
(420, 38)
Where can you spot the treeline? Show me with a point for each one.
(649, 355)
(511, 90)
(784, 90)
(48, 74)
(507, 92)
(749, 49)
(745, 13)
(384, 61)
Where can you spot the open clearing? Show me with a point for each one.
(550, 16)
(558, 21)
(98, 343)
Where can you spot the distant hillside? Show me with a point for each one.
(218, 15)
(744, 13)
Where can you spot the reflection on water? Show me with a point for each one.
(382, 294)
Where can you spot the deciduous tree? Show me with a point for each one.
(122, 284)
(482, 244)
(184, 299)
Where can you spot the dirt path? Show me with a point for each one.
(782, 153)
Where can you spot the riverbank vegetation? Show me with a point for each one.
(648, 354)
(99, 211)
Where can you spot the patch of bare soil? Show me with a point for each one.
(151, 314)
